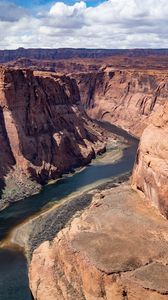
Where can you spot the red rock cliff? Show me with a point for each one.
(124, 97)
(43, 130)
(150, 175)
(115, 250)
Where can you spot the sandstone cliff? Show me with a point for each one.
(123, 90)
(44, 132)
(124, 97)
(116, 250)
(150, 175)
(87, 65)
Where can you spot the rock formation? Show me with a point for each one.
(44, 131)
(69, 53)
(116, 249)
(150, 175)
(123, 90)
(123, 97)
(87, 65)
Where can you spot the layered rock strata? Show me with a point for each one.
(121, 89)
(150, 175)
(44, 131)
(116, 249)
(70, 53)
(123, 97)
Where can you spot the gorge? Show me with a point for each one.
(113, 243)
(44, 131)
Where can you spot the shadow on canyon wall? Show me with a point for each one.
(49, 131)
(7, 160)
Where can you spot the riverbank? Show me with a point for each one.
(77, 195)
(33, 220)
(40, 217)
(38, 229)
(116, 248)
(19, 186)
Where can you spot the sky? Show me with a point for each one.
(88, 23)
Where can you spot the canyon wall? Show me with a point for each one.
(44, 131)
(86, 65)
(123, 97)
(117, 247)
(150, 174)
(68, 53)
(123, 89)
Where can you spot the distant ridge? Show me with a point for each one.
(66, 53)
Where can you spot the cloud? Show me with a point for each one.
(61, 9)
(111, 24)
(10, 12)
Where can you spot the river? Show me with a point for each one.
(13, 265)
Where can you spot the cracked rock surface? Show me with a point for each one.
(116, 249)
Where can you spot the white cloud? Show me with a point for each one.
(111, 24)
(61, 9)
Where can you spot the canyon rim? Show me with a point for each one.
(83, 150)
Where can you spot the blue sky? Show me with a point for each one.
(34, 3)
(84, 23)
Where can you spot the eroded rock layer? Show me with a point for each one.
(150, 175)
(69, 53)
(122, 89)
(116, 249)
(44, 132)
(123, 97)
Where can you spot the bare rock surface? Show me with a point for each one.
(44, 131)
(123, 88)
(124, 97)
(70, 53)
(116, 249)
(150, 175)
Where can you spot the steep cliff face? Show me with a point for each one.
(43, 129)
(150, 175)
(124, 97)
(122, 89)
(116, 250)
(62, 66)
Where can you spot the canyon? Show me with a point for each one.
(44, 131)
(125, 98)
(123, 89)
(114, 244)
(117, 247)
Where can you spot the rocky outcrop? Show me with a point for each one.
(44, 131)
(69, 53)
(123, 97)
(116, 249)
(58, 66)
(87, 65)
(150, 175)
(121, 89)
